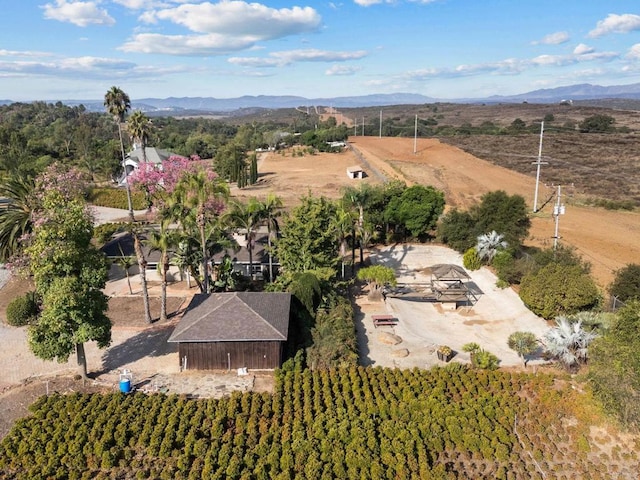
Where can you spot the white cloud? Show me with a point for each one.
(582, 49)
(341, 70)
(220, 28)
(188, 45)
(280, 59)
(634, 52)
(22, 53)
(624, 23)
(81, 14)
(553, 39)
(368, 3)
(86, 67)
(241, 18)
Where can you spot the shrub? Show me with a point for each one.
(471, 260)
(116, 198)
(103, 233)
(485, 360)
(22, 310)
(626, 285)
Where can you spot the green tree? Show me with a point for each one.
(137, 235)
(626, 284)
(524, 344)
(597, 124)
(456, 229)
(614, 366)
(417, 209)
(307, 239)
(15, 215)
(69, 275)
(118, 103)
(559, 290)
(377, 277)
(500, 212)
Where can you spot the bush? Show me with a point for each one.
(116, 198)
(626, 285)
(103, 233)
(23, 310)
(471, 260)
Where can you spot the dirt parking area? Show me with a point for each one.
(422, 326)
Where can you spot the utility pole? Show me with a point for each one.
(558, 209)
(538, 163)
(380, 135)
(363, 126)
(415, 136)
(355, 126)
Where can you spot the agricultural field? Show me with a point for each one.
(349, 423)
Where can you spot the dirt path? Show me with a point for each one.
(607, 239)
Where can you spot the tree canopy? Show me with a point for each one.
(626, 284)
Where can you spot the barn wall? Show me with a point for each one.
(217, 355)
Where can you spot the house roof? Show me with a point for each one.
(240, 254)
(122, 245)
(235, 316)
(154, 155)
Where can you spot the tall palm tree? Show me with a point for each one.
(247, 218)
(139, 127)
(200, 198)
(142, 263)
(343, 229)
(162, 240)
(118, 103)
(271, 210)
(15, 214)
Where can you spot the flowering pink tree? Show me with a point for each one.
(158, 181)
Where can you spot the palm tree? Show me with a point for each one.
(125, 262)
(117, 103)
(15, 215)
(142, 263)
(343, 227)
(139, 127)
(524, 344)
(247, 218)
(270, 212)
(568, 342)
(489, 244)
(200, 198)
(162, 240)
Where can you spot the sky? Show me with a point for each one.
(445, 49)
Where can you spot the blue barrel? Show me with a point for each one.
(125, 385)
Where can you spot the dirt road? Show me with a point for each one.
(607, 239)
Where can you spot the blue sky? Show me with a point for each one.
(65, 49)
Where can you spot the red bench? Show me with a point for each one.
(384, 320)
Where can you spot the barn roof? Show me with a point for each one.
(235, 316)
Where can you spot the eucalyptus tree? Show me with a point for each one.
(118, 103)
(15, 215)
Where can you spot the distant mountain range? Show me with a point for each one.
(223, 106)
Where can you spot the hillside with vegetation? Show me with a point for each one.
(348, 423)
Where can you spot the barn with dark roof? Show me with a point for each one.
(221, 331)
